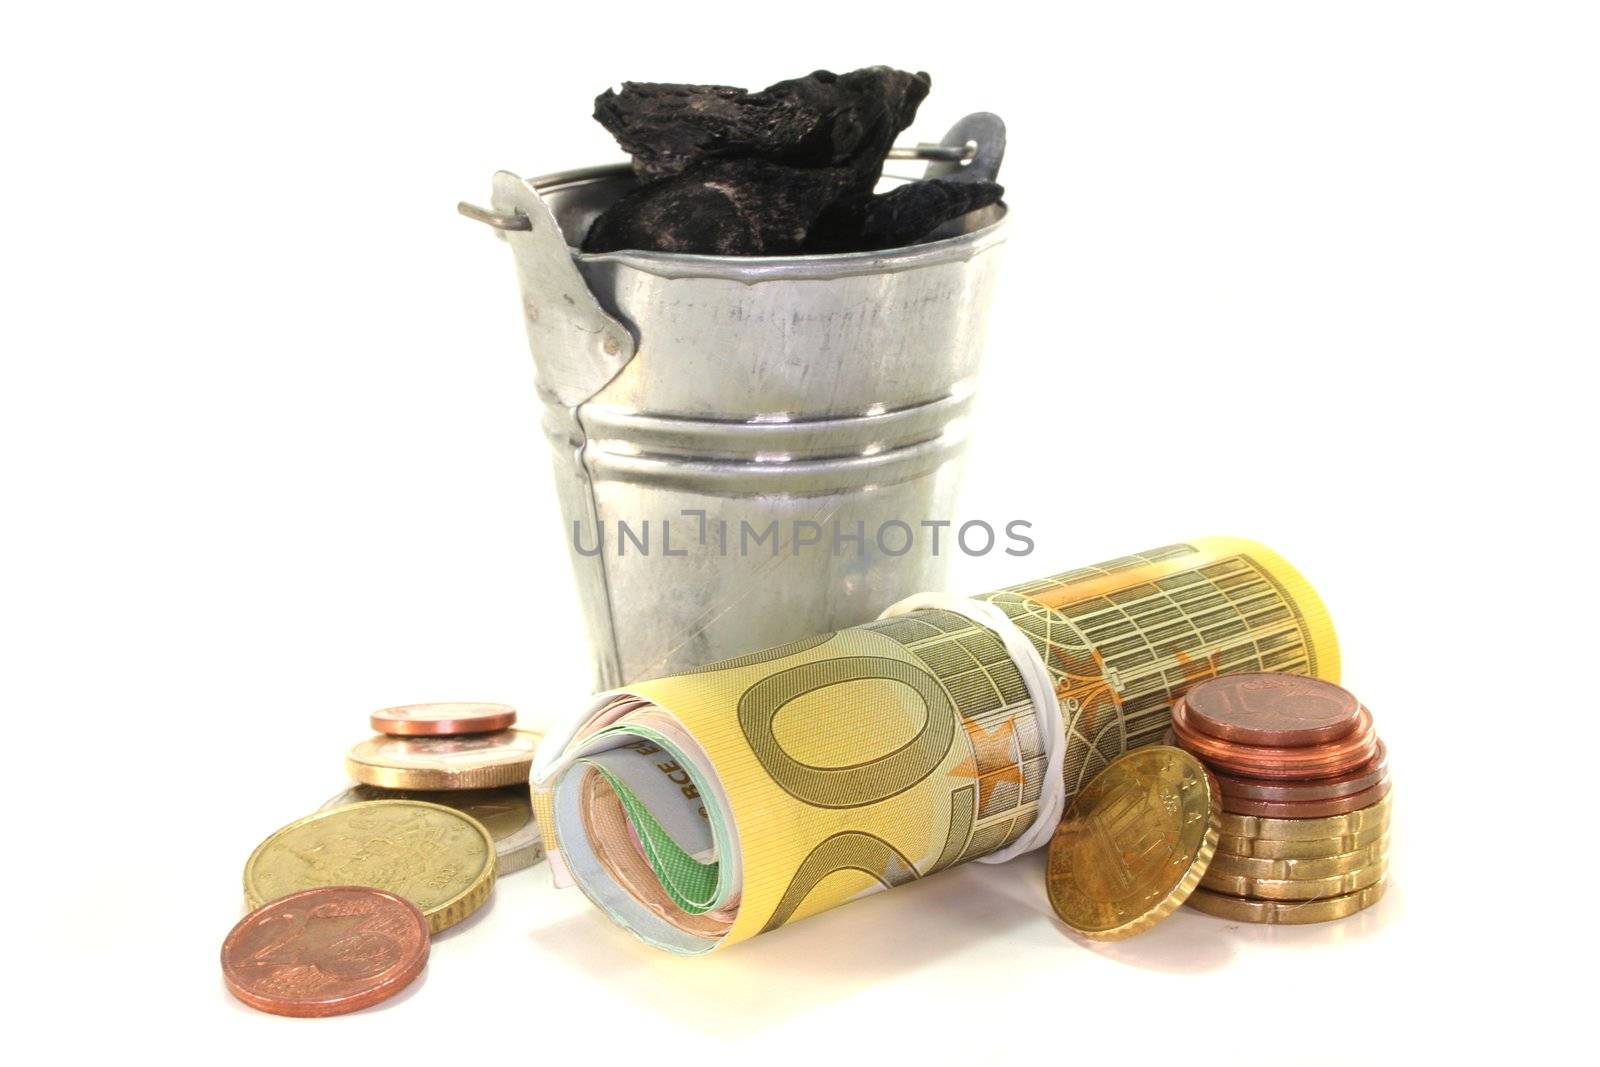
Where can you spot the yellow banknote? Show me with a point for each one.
(756, 791)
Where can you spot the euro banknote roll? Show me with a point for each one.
(704, 808)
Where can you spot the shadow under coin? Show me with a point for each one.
(469, 922)
(401, 997)
(1365, 923)
(1173, 946)
(1180, 944)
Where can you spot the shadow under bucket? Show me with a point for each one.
(745, 447)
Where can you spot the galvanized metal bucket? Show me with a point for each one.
(697, 403)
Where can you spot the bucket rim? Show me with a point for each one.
(762, 268)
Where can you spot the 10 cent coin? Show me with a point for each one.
(1133, 844)
(507, 813)
(436, 857)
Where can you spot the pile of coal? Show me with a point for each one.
(788, 170)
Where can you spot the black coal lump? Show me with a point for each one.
(820, 120)
(899, 217)
(730, 207)
(787, 170)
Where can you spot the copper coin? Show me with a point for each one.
(1306, 809)
(1326, 760)
(1295, 790)
(1363, 777)
(1280, 710)
(438, 720)
(325, 951)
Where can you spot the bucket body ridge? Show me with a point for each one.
(748, 474)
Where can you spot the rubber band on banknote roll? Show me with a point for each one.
(1041, 692)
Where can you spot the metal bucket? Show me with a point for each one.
(692, 402)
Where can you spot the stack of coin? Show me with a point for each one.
(461, 755)
(345, 899)
(1305, 797)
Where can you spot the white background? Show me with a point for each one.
(1320, 275)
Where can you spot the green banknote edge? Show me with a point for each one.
(682, 876)
(692, 885)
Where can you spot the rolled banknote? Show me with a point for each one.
(704, 808)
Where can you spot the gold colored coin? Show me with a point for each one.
(1319, 848)
(1308, 829)
(1133, 843)
(506, 812)
(1295, 888)
(1299, 869)
(474, 761)
(440, 859)
(1286, 913)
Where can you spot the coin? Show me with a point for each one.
(325, 951)
(1280, 710)
(437, 720)
(1297, 790)
(1306, 809)
(1299, 869)
(1293, 888)
(1285, 913)
(1133, 843)
(1261, 761)
(1308, 829)
(436, 857)
(1313, 848)
(507, 813)
(1363, 777)
(481, 761)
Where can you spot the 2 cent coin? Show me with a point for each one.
(1363, 777)
(325, 951)
(1322, 760)
(440, 720)
(1278, 710)
(1306, 809)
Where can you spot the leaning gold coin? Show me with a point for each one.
(1298, 869)
(507, 813)
(473, 761)
(1317, 848)
(1133, 843)
(440, 859)
(1308, 829)
(1295, 888)
(1286, 913)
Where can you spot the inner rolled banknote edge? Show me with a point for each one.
(577, 865)
(552, 759)
(613, 899)
(1041, 691)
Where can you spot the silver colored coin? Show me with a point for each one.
(506, 812)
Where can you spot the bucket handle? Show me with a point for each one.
(978, 141)
(981, 140)
(577, 346)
